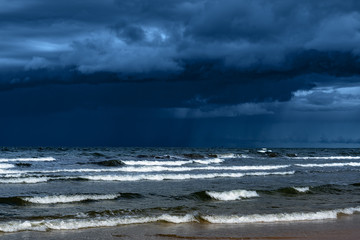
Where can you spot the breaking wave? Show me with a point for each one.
(25, 200)
(152, 169)
(160, 177)
(79, 223)
(42, 159)
(281, 217)
(288, 190)
(328, 158)
(228, 155)
(155, 177)
(232, 195)
(69, 198)
(6, 165)
(173, 163)
(72, 224)
(25, 180)
(302, 189)
(350, 164)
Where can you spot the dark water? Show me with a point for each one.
(72, 188)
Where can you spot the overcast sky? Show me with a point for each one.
(232, 73)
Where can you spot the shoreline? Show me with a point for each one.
(344, 227)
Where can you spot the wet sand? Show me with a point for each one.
(345, 227)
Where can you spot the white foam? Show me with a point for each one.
(302, 189)
(232, 195)
(12, 175)
(160, 177)
(263, 150)
(153, 169)
(25, 180)
(209, 161)
(71, 224)
(6, 165)
(259, 167)
(328, 157)
(350, 164)
(69, 198)
(228, 155)
(41, 159)
(245, 156)
(157, 163)
(173, 163)
(281, 217)
(21, 178)
(270, 173)
(5, 171)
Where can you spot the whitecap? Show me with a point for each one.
(155, 169)
(157, 163)
(350, 164)
(232, 195)
(25, 180)
(328, 158)
(41, 159)
(160, 177)
(209, 161)
(69, 198)
(173, 163)
(302, 189)
(228, 155)
(6, 165)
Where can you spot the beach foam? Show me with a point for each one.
(281, 217)
(71, 224)
(232, 195)
(74, 223)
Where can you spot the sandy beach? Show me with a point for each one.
(345, 227)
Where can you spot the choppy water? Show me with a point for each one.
(60, 188)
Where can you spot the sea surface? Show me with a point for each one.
(45, 189)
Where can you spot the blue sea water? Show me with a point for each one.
(72, 188)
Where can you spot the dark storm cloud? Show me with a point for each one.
(174, 54)
(240, 33)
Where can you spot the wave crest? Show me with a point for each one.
(349, 164)
(160, 177)
(281, 217)
(72, 224)
(41, 159)
(232, 195)
(69, 198)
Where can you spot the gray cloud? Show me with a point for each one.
(99, 36)
(205, 72)
(230, 54)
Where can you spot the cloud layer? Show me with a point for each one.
(180, 59)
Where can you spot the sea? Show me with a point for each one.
(51, 189)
